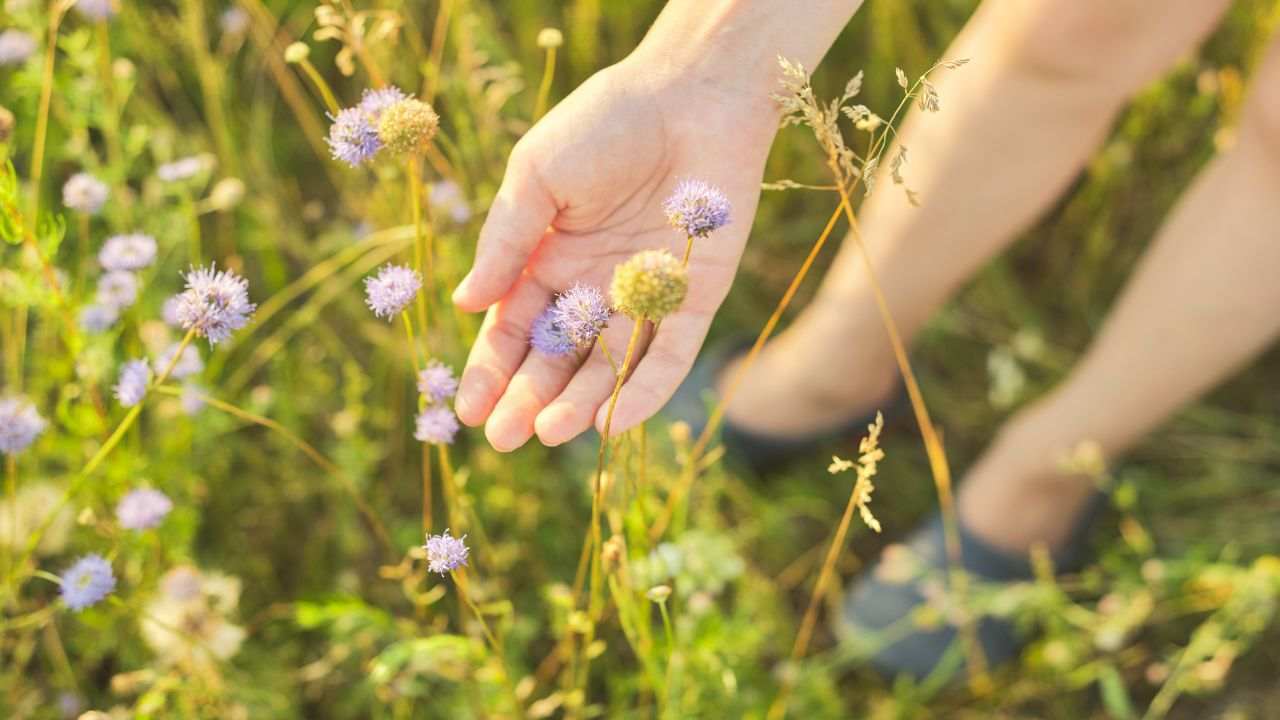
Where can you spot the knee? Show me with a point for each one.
(1111, 45)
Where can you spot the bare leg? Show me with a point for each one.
(1203, 302)
(1017, 124)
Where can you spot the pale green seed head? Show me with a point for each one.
(650, 285)
(407, 125)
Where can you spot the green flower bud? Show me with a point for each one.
(650, 285)
(407, 125)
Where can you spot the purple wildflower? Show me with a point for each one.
(98, 318)
(118, 288)
(96, 9)
(353, 137)
(191, 399)
(436, 381)
(189, 363)
(697, 208)
(15, 46)
(547, 337)
(215, 303)
(234, 21)
(391, 291)
(436, 425)
(87, 582)
(169, 311)
(127, 252)
(446, 553)
(84, 193)
(131, 387)
(142, 509)
(447, 196)
(20, 425)
(374, 100)
(581, 313)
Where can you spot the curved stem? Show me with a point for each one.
(544, 87)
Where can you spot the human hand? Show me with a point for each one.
(582, 193)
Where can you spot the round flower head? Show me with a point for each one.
(436, 381)
(650, 285)
(87, 582)
(131, 387)
(84, 193)
(215, 303)
(189, 363)
(406, 126)
(20, 425)
(96, 9)
(436, 425)
(547, 337)
(184, 168)
(353, 138)
(15, 46)
(127, 252)
(98, 318)
(142, 509)
(391, 290)
(374, 100)
(118, 288)
(191, 399)
(696, 208)
(581, 313)
(446, 553)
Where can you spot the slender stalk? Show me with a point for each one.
(426, 451)
(447, 481)
(413, 343)
(326, 94)
(11, 491)
(306, 448)
(439, 34)
(422, 261)
(460, 578)
(671, 651)
(938, 465)
(544, 87)
(688, 250)
(690, 470)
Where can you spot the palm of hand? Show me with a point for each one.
(582, 194)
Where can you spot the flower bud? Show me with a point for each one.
(226, 194)
(650, 285)
(296, 53)
(659, 593)
(550, 38)
(407, 125)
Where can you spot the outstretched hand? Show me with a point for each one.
(582, 193)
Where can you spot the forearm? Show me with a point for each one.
(735, 44)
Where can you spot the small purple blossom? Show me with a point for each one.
(184, 168)
(436, 425)
(436, 381)
(84, 193)
(97, 318)
(581, 312)
(15, 46)
(131, 387)
(547, 337)
(446, 553)
(214, 304)
(96, 9)
(127, 252)
(118, 288)
(189, 363)
(142, 509)
(391, 291)
(374, 100)
(697, 208)
(87, 582)
(234, 21)
(20, 425)
(447, 196)
(191, 399)
(169, 311)
(353, 137)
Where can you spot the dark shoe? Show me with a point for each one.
(761, 454)
(884, 604)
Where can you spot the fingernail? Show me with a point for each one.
(461, 289)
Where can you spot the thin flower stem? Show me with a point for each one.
(671, 651)
(688, 250)
(604, 349)
(460, 578)
(544, 87)
(690, 470)
(426, 452)
(306, 448)
(330, 102)
(447, 481)
(421, 254)
(439, 34)
(941, 470)
(11, 491)
(413, 343)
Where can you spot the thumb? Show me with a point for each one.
(517, 220)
